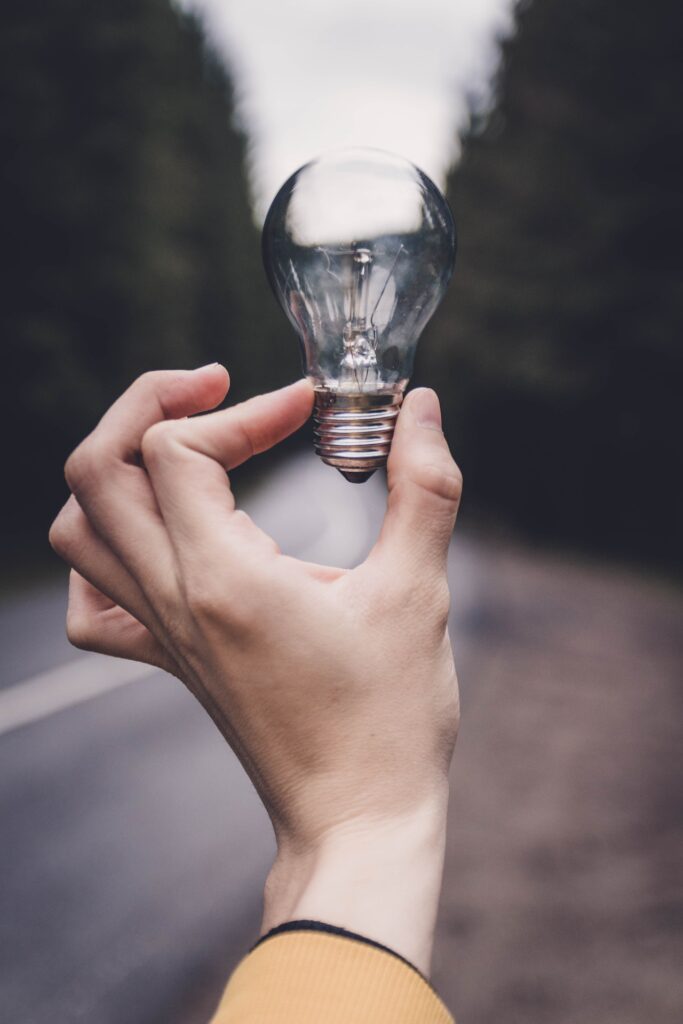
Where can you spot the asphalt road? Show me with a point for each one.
(133, 850)
(132, 842)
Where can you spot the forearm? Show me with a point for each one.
(379, 879)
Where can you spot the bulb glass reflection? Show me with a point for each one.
(359, 247)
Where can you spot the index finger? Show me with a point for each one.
(187, 462)
(105, 473)
(155, 396)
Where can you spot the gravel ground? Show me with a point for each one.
(560, 902)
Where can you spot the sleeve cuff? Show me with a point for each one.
(305, 972)
(332, 929)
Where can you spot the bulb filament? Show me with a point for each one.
(361, 335)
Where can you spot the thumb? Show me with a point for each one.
(425, 486)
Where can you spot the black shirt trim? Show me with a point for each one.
(331, 929)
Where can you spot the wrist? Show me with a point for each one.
(380, 878)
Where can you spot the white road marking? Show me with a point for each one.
(64, 687)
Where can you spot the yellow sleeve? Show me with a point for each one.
(309, 977)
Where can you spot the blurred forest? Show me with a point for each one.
(560, 337)
(130, 245)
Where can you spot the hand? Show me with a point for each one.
(335, 688)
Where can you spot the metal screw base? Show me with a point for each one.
(353, 432)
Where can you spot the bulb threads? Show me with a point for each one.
(353, 432)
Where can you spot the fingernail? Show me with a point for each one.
(208, 366)
(425, 407)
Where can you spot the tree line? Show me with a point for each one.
(559, 340)
(129, 240)
(130, 245)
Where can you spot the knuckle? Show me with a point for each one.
(227, 609)
(245, 439)
(78, 631)
(204, 599)
(154, 385)
(148, 381)
(443, 479)
(159, 441)
(60, 537)
(76, 467)
(85, 465)
(63, 534)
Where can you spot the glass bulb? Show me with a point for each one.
(359, 246)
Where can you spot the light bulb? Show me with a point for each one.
(359, 246)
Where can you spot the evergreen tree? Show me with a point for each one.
(128, 238)
(558, 338)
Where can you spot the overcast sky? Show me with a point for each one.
(314, 75)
